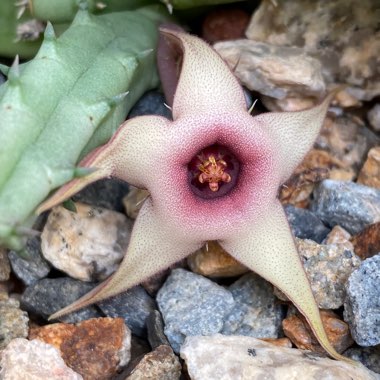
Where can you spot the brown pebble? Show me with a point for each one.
(280, 342)
(225, 24)
(367, 242)
(213, 261)
(298, 331)
(370, 173)
(91, 348)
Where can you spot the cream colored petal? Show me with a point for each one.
(153, 247)
(293, 133)
(130, 155)
(268, 249)
(206, 84)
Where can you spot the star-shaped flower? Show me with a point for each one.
(213, 174)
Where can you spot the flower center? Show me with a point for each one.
(213, 171)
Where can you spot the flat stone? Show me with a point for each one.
(370, 172)
(134, 200)
(256, 312)
(13, 322)
(347, 204)
(155, 327)
(271, 70)
(95, 348)
(305, 225)
(367, 242)
(245, 358)
(374, 117)
(134, 306)
(161, 364)
(151, 103)
(34, 360)
(369, 356)
(87, 244)
(192, 305)
(49, 295)
(299, 332)
(213, 261)
(5, 268)
(362, 305)
(105, 193)
(327, 268)
(32, 268)
(346, 42)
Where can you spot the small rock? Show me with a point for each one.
(192, 305)
(299, 332)
(5, 268)
(134, 200)
(362, 305)
(13, 322)
(369, 356)
(155, 327)
(339, 235)
(245, 358)
(34, 267)
(346, 42)
(290, 103)
(224, 24)
(304, 224)
(327, 268)
(278, 72)
(34, 360)
(134, 306)
(88, 244)
(370, 173)
(257, 312)
(105, 193)
(151, 103)
(350, 205)
(374, 117)
(2, 78)
(367, 242)
(280, 342)
(158, 364)
(48, 295)
(95, 348)
(213, 261)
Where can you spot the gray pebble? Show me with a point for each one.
(347, 204)
(374, 117)
(2, 78)
(257, 312)
(107, 193)
(5, 268)
(134, 306)
(362, 305)
(305, 225)
(155, 326)
(368, 356)
(49, 295)
(192, 305)
(34, 266)
(13, 322)
(151, 103)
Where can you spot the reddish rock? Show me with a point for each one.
(213, 261)
(370, 172)
(338, 235)
(280, 342)
(298, 331)
(95, 348)
(367, 242)
(225, 24)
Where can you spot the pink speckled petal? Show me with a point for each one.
(267, 247)
(129, 155)
(294, 133)
(153, 247)
(206, 84)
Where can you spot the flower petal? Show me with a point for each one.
(294, 133)
(153, 247)
(267, 248)
(206, 84)
(129, 155)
